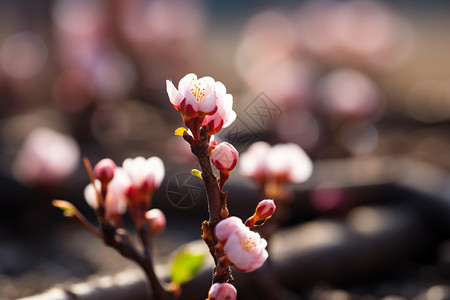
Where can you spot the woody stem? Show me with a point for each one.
(216, 200)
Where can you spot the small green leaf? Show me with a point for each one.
(180, 131)
(197, 173)
(185, 266)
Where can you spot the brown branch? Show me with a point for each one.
(119, 239)
(201, 150)
(217, 203)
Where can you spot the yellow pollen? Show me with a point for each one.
(248, 244)
(198, 93)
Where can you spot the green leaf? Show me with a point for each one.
(185, 266)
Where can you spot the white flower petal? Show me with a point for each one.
(208, 104)
(230, 119)
(90, 195)
(186, 82)
(240, 258)
(174, 96)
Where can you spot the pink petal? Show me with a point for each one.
(186, 82)
(90, 195)
(174, 96)
(230, 119)
(208, 104)
(240, 258)
(220, 89)
(227, 227)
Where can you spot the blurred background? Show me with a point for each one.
(352, 82)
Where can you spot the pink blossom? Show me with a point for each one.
(116, 199)
(104, 170)
(349, 93)
(224, 157)
(194, 97)
(46, 157)
(145, 174)
(222, 291)
(265, 209)
(245, 249)
(157, 220)
(253, 162)
(288, 162)
(224, 116)
(282, 162)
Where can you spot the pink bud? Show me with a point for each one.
(104, 170)
(157, 220)
(116, 200)
(265, 209)
(224, 157)
(222, 291)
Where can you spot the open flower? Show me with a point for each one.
(47, 157)
(282, 163)
(222, 291)
(202, 102)
(116, 199)
(288, 162)
(253, 162)
(245, 249)
(194, 97)
(145, 174)
(224, 116)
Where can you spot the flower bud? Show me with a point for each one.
(104, 170)
(222, 291)
(265, 209)
(224, 157)
(116, 200)
(157, 220)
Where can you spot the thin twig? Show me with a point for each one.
(72, 212)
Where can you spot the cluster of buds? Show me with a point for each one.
(111, 192)
(130, 186)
